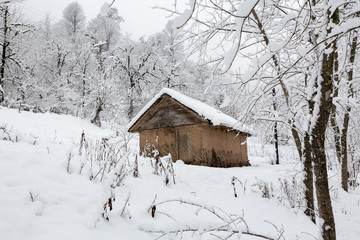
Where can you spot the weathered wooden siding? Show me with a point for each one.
(194, 143)
(194, 138)
(162, 139)
(182, 142)
(229, 146)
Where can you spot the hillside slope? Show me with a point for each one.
(46, 196)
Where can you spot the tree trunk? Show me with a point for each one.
(344, 155)
(131, 103)
(308, 168)
(131, 107)
(276, 132)
(344, 161)
(277, 66)
(336, 129)
(337, 134)
(5, 44)
(308, 179)
(96, 119)
(131, 98)
(305, 156)
(324, 90)
(132, 87)
(297, 140)
(326, 215)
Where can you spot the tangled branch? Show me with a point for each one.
(229, 223)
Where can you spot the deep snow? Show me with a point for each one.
(39, 199)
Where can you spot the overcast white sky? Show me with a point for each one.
(140, 18)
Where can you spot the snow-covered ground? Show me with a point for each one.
(43, 195)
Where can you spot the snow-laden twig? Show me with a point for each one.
(229, 223)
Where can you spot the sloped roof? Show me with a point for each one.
(214, 116)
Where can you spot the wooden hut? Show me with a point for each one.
(191, 131)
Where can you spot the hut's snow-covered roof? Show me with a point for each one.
(216, 117)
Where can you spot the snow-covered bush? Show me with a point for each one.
(266, 188)
(10, 134)
(288, 191)
(106, 161)
(164, 166)
(4, 134)
(235, 180)
(291, 192)
(102, 160)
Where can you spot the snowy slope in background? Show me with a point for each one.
(48, 126)
(40, 200)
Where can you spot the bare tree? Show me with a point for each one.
(11, 31)
(138, 65)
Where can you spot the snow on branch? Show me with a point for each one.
(180, 21)
(229, 225)
(243, 12)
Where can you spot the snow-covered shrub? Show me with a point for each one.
(108, 161)
(102, 160)
(10, 134)
(164, 166)
(136, 168)
(149, 151)
(123, 139)
(4, 134)
(266, 188)
(291, 192)
(235, 180)
(108, 206)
